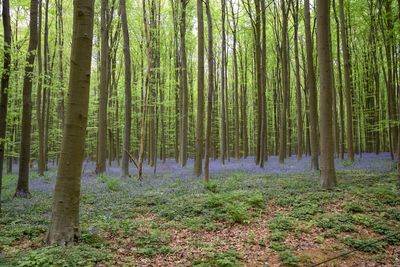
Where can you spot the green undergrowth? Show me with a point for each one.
(363, 209)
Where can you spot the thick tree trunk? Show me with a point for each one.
(64, 225)
(5, 78)
(328, 174)
(312, 90)
(128, 93)
(103, 98)
(25, 147)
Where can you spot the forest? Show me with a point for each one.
(200, 133)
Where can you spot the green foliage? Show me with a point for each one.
(277, 236)
(305, 210)
(393, 214)
(288, 258)
(153, 243)
(229, 258)
(365, 245)
(81, 255)
(353, 207)
(211, 186)
(282, 223)
(112, 183)
(336, 222)
(8, 179)
(277, 246)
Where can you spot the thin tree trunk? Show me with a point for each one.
(210, 58)
(347, 81)
(312, 90)
(299, 150)
(223, 83)
(128, 93)
(64, 225)
(103, 98)
(25, 147)
(285, 83)
(184, 96)
(5, 78)
(200, 90)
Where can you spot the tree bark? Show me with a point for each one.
(184, 96)
(328, 174)
(103, 98)
(5, 78)
(200, 90)
(210, 59)
(64, 225)
(299, 150)
(347, 82)
(312, 90)
(285, 83)
(25, 147)
(128, 93)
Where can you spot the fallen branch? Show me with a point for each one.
(131, 157)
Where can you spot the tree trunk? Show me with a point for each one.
(64, 224)
(328, 174)
(200, 90)
(39, 94)
(312, 90)
(223, 83)
(210, 58)
(184, 96)
(128, 93)
(340, 86)
(285, 83)
(299, 110)
(5, 78)
(103, 98)
(347, 82)
(25, 147)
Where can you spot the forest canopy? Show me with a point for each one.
(117, 92)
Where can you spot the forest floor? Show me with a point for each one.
(246, 216)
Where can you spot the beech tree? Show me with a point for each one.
(25, 147)
(64, 226)
(312, 90)
(200, 90)
(328, 175)
(5, 79)
(128, 93)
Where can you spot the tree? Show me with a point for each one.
(210, 60)
(200, 90)
(328, 174)
(347, 82)
(183, 95)
(299, 110)
(312, 90)
(25, 147)
(64, 224)
(103, 98)
(5, 78)
(128, 93)
(285, 82)
(223, 85)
